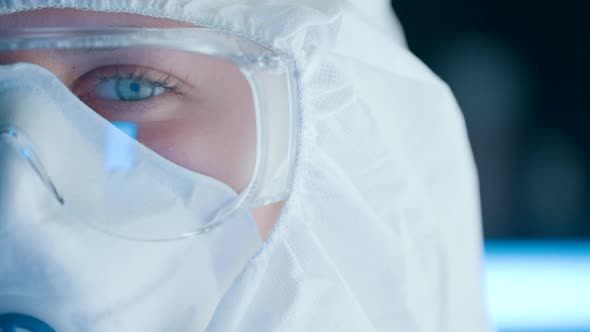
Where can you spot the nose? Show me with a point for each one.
(64, 68)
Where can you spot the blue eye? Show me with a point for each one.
(128, 89)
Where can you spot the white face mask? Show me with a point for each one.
(62, 262)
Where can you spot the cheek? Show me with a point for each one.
(220, 147)
(214, 131)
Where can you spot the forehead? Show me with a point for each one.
(82, 18)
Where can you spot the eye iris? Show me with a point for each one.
(133, 89)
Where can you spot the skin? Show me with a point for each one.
(217, 118)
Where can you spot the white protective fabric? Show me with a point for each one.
(382, 228)
(75, 278)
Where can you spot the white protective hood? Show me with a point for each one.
(382, 229)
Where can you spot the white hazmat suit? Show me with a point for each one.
(381, 231)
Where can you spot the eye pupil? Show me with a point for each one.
(133, 89)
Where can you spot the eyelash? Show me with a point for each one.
(167, 81)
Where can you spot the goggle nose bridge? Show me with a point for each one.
(18, 141)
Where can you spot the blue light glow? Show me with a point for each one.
(538, 286)
(119, 153)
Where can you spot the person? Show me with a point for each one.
(178, 165)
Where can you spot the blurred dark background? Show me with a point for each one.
(521, 73)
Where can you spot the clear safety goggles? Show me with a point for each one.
(207, 101)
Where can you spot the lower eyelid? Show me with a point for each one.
(130, 110)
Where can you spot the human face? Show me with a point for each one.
(72, 75)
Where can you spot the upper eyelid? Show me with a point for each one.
(141, 74)
(180, 86)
